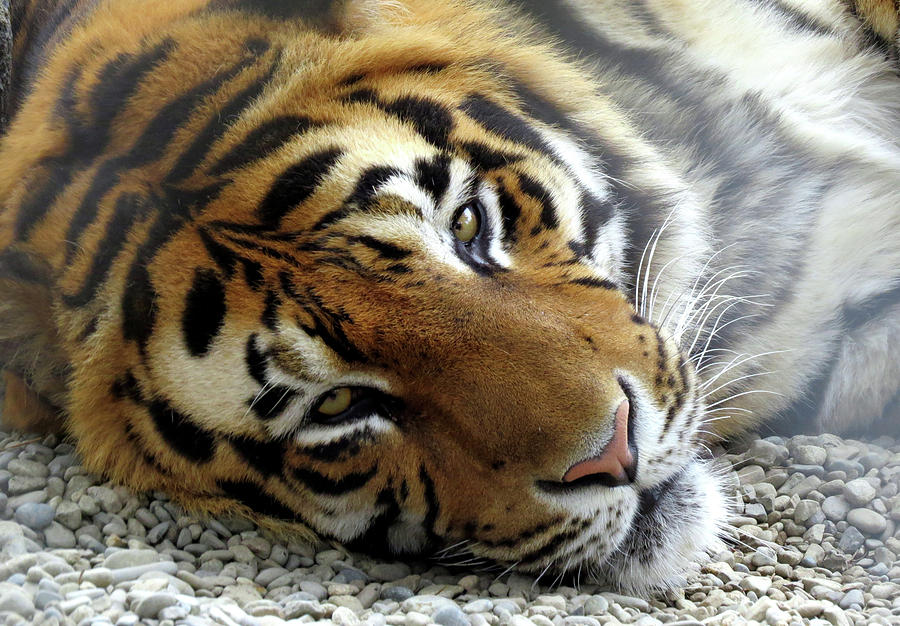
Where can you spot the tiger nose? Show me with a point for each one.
(617, 464)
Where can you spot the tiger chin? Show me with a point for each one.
(455, 278)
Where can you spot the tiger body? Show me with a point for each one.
(215, 213)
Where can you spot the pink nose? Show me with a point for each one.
(617, 459)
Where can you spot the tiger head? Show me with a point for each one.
(375, 286)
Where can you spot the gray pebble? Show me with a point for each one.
(17, 602)
(298, 608)
(266, 576)
(851, 540)
(35, 515)
(836, 508)
(44, 598)
(859, 492)
(386, 572)
(317, 590)
(150, 606)
(867, 520)
(22, 467)
(58, 536)
(450, 616)
(396, 593)
(854, 596)
(130, 558)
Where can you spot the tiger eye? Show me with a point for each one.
(466, 224)
(336, 401)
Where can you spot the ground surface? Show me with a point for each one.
(819, 543)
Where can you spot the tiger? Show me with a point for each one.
(408, 275)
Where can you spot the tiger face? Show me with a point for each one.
(388, 306)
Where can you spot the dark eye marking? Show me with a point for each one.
(272, 401)
(537, 191)
(204, 313)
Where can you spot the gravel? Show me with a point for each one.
(816, 539)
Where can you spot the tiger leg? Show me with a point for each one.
(862, 392)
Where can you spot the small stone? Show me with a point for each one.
(766, 453)
(396, 593)
(836, 508)
(44, 598)
(764, 555)
(758, 584)
(267, 575)
(35, 515)
(16, 602)
(810, 455)
(867, 520)
(342, 616)
(298, 608)
(319, 592)
(130, 558)
(68, 514)
(428, 604)
(108, 499)
(596, 605)
(386, 572)
(851, 540)
(854, 596)
(22, 467)
(482, 605)
(150, 606)
(58, 536)
(751, 474)
(450, 616)
(859, 492)
(805, 510)
(755, 511)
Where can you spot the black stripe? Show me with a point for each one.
(798, 19)
(366, 187)
(130, 208)
(597, 283)
(487, 159)
(347, 446)
(138, 306)
(537, 191)
(376, 539)
(432, 505)
(385, 249)
(254, 497)
(185, 437)
(217, 125)
(324, 485)
(434, 175)
(505, 123)
(253, 274)
(256, 361)
(266, 457)
(204, 312)
(223, 256)
(326, 324)
(22, 266)
(509, 212)
(260, 142)
(431, 119)
(151, 145)
(270, 312)
(295, 185)
(271, 401)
